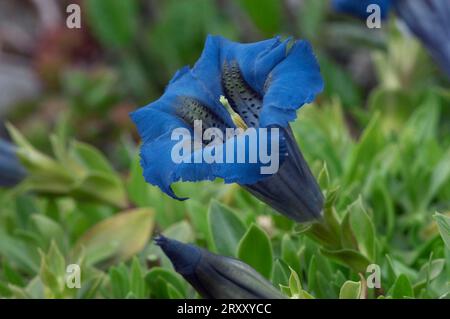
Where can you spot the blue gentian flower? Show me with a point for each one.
(358, 8)
(11, 171)
(429, 20)
(214, 276)
(255, 85)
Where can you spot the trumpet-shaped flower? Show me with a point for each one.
(254, 87)
(214, 276)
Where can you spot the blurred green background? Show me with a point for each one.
(377, 139)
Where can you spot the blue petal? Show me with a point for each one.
(152, 122)
(179, 74)
(156, 121)
(358, 8)
(430, 22)
(234, 172)
(263, 64)
(157, 163)
(160, 168)
(207, 68)
(255, 60)
(183, 84)
(292, 83)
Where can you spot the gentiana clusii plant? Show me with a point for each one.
(252, 86)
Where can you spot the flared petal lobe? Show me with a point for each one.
(292, 83)
(255, 61)
(284, 78)
(214, 276)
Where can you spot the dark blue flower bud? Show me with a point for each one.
(11, 171)
(215, 276)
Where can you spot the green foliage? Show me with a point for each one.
(351, 290)
(226, 229)
(444, 227)
(115, 23)
(295, 290)
(372, 215)
(261, 258)
(266, 15)
(402, 288)
(116, 238)
(379, 149)
(79, 170)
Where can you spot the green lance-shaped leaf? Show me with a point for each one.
(226, 229)
(402, 288)
(280, 274)
(363, 154)
(351, 258)
(294, 288)
(290, 252)
(79, 171)
(255, 249)
(117, 238)
(351, 290)
(428, 273)
(160, 279)
(443, 222)
(52, 272)
(42, 170)
(137, 283)
(362, 229)
(215, 276)
(50, 230)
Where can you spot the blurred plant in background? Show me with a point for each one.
(377, 140)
